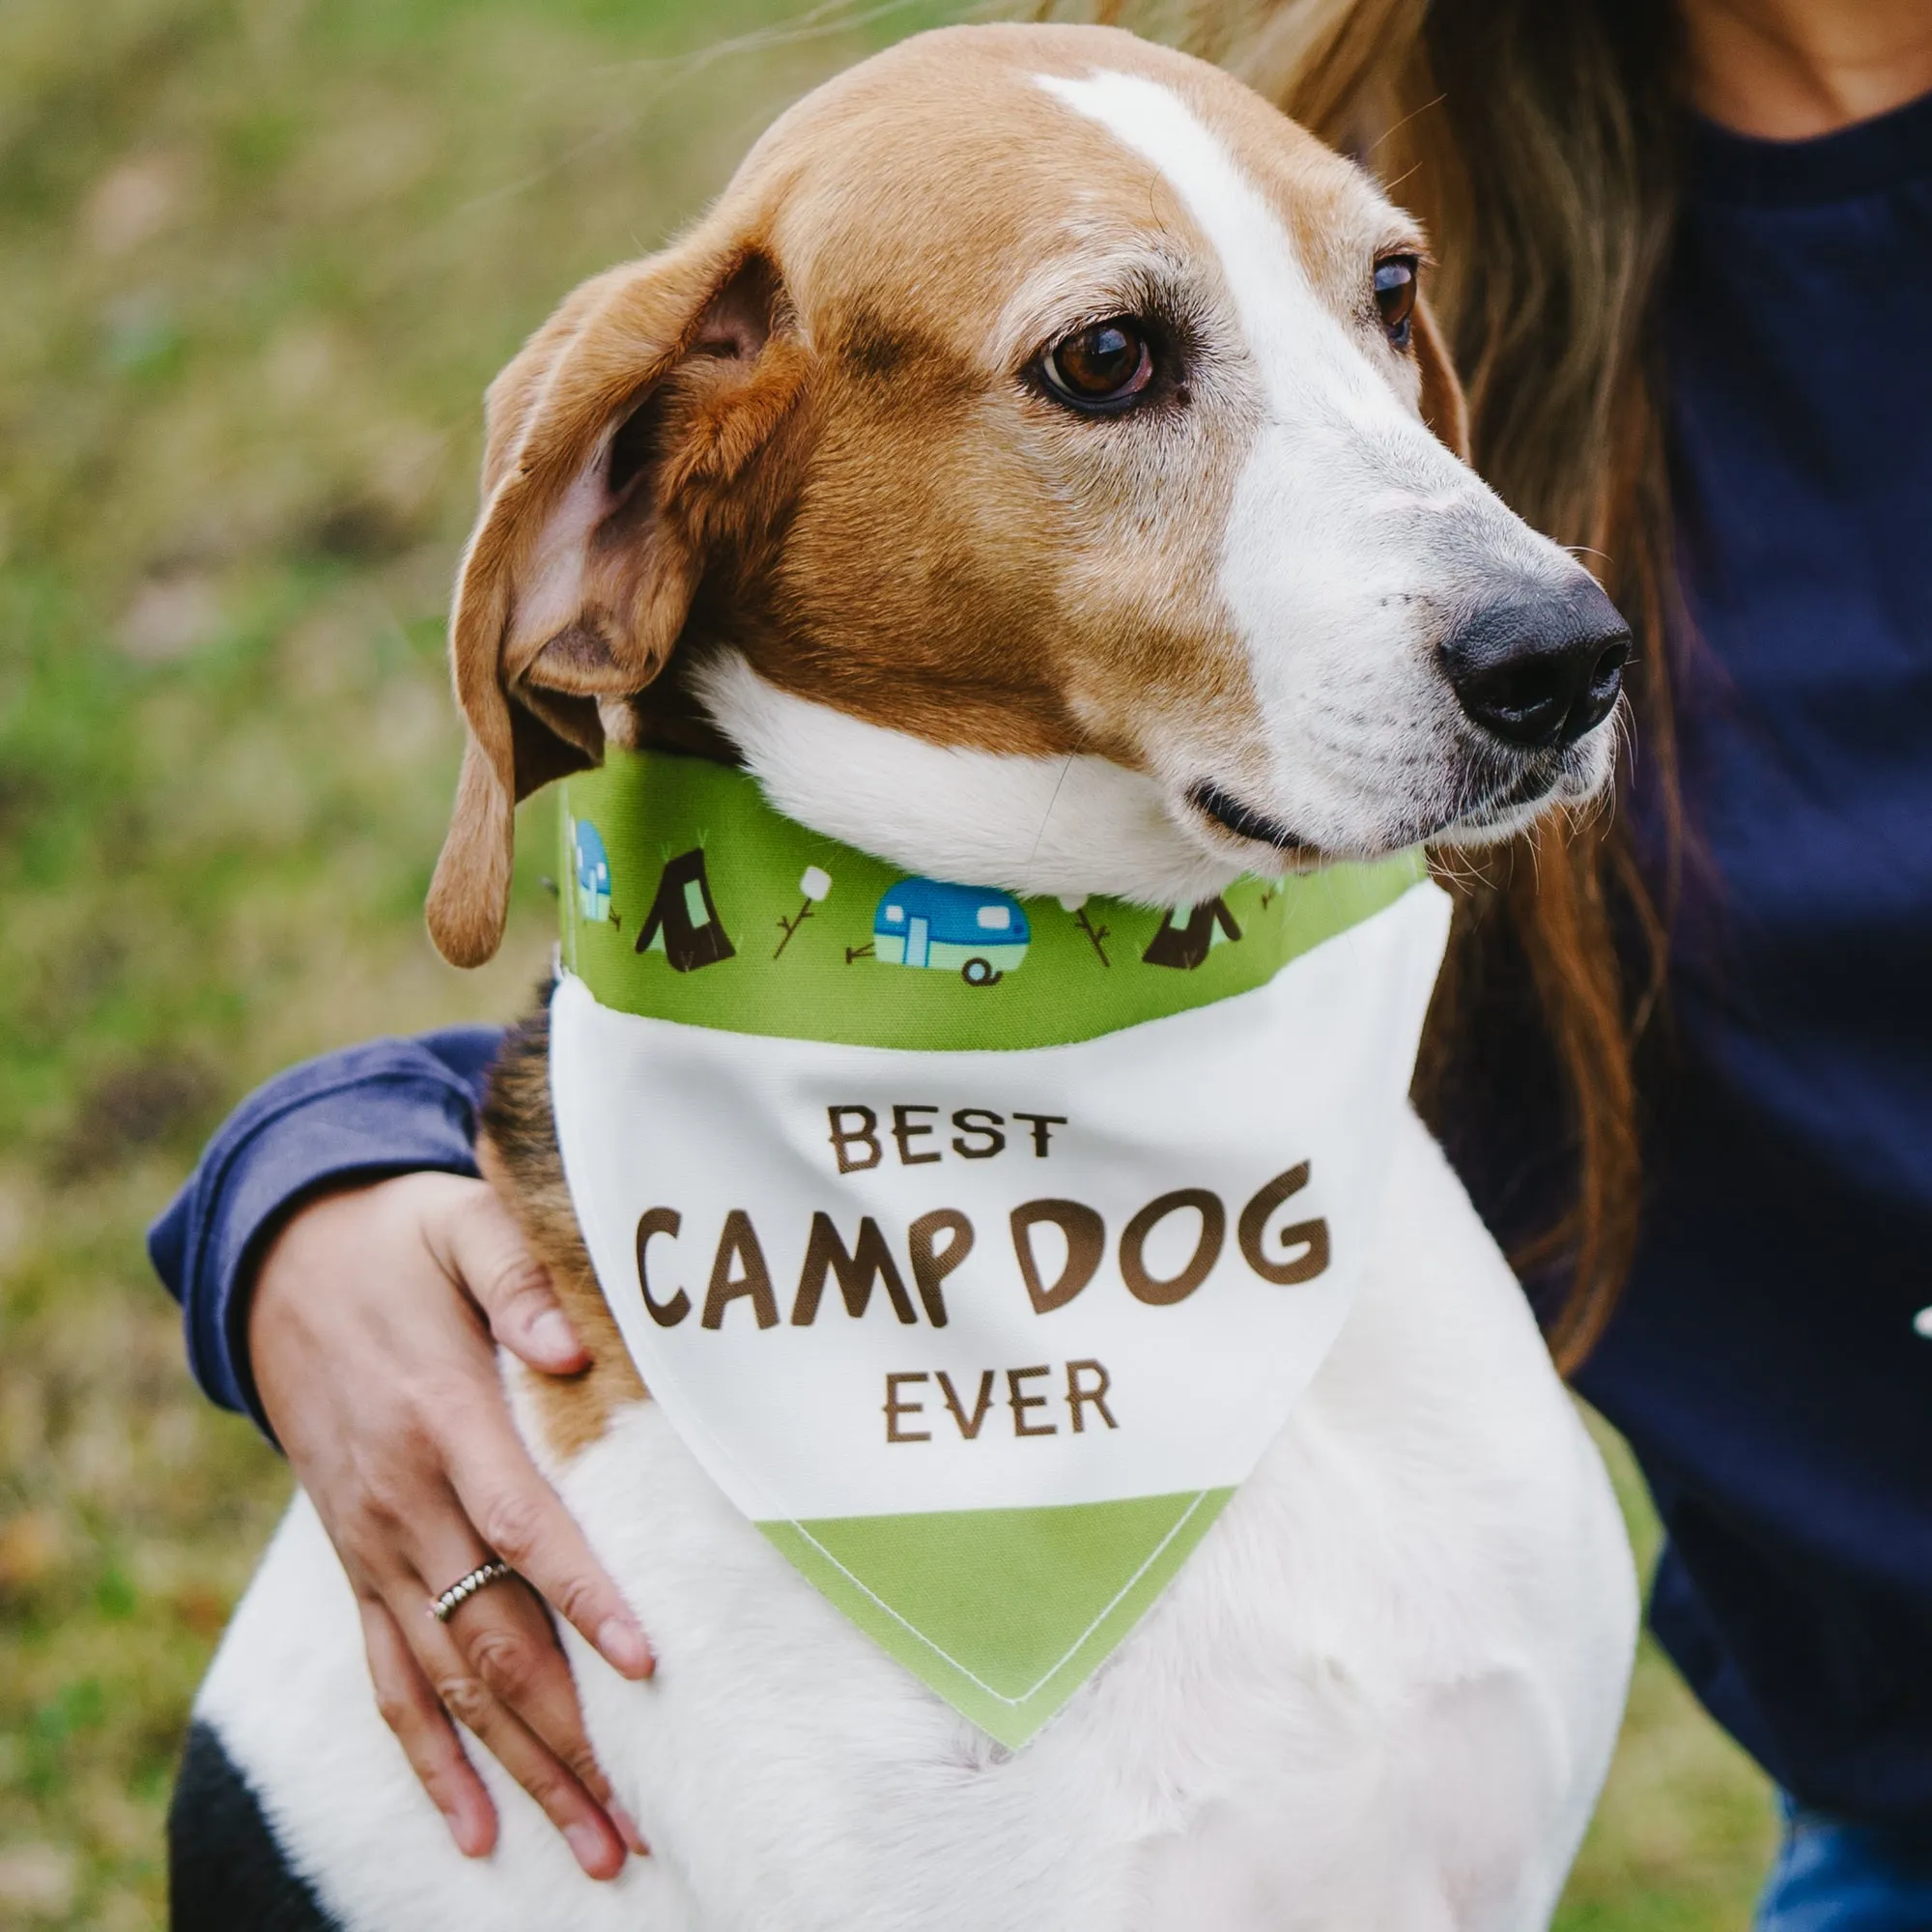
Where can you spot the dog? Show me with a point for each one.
(1039, 470)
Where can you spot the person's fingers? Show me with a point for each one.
(422, 1728)
(518, 1514)
(468, 1698)
(483, 1249)
(379, 1371)
(508, 1641)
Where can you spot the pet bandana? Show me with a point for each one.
(977, 1247)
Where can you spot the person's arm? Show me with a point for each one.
(389, 1107)
(342, 1275)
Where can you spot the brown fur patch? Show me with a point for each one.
(845, 470)
(517, 1152)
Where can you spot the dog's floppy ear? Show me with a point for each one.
(1444, 408)
(620, 449)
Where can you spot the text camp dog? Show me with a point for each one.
(937, 1242)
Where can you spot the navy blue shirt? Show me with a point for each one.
(1764, 1363)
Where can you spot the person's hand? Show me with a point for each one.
(369, 1334)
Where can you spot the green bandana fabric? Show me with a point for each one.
(977, 1246)
(794, 928)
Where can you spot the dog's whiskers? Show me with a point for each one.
(1067, 765)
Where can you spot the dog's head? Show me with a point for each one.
(1041, 469)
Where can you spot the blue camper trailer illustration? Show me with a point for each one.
(980, 934)
(593, 871)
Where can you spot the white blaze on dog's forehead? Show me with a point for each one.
(1319, 545)
(1274, 301)
(1349, 527)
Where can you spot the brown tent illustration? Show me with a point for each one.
(683, 922)
(1187, 935)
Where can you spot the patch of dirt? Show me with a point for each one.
(169, 616)
(33, 1546)
(141, 198)
(21, 795)
(132, 1109)
(39, 1880)
(364, 530)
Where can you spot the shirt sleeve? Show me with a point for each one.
(392, 1106)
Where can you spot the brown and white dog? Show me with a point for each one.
(1038, 469)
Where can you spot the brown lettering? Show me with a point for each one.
(932, 1264)
(1310, 1238)
(968, 1120)
(864, 1135)
(739, 1243)
(969, 1430)
(1042, 1125)
(905, 1131)
(660, 1221)
(1148, 1288)
(1085, 1243)
(1019, 1404)
(895, 1409)
(869, 1261)
(1096, 1395)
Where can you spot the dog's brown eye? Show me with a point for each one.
(1395, 296)
(1103, 366)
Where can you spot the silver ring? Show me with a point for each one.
(495, 1570)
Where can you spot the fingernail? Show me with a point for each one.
(591, 1850)
(625, 1648)
(626, 1829)
(468, 1841)
(552, 1336)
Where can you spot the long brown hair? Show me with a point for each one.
(1537, 141)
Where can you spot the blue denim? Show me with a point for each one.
(1835, 1877)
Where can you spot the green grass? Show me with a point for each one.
(1684, 1830)
(259, 259)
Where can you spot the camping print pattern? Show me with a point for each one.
(980, 934)
(683, 922)
(1189, 933)
(593, 871)
(1096, 936)
(815, 882)
(670, 866)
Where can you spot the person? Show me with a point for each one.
(1684, 249)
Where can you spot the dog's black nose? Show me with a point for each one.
(1539, 667)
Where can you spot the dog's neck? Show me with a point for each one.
(687, 859)
(1065, 827)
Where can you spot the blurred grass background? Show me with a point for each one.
(258, 259)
